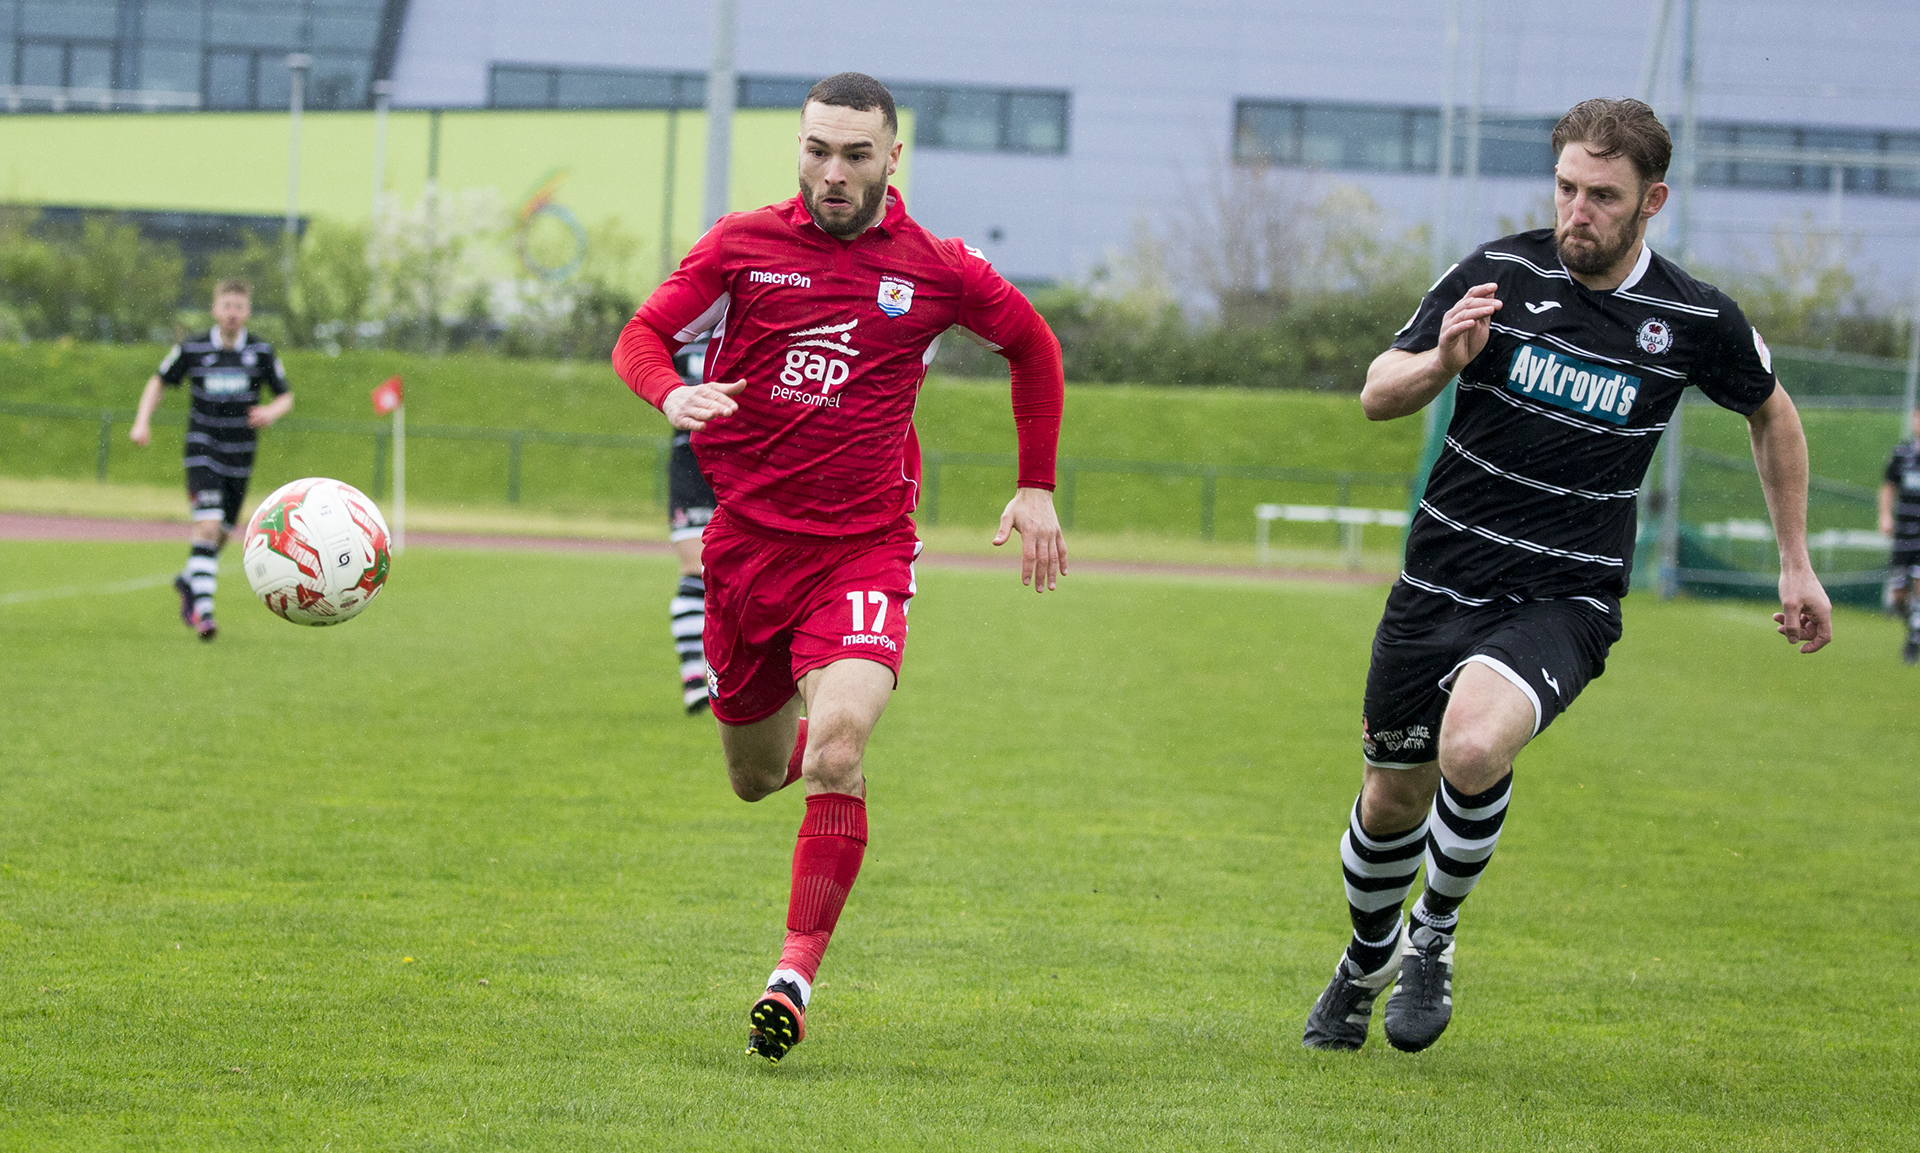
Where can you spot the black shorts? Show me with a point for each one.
(690, 500)
(1549, 650)
(214, 495)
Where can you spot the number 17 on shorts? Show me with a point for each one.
(865, 631)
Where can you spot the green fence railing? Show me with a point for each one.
(935, 464)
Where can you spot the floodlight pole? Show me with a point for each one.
(722, 79)
(1443, 254)
(1673, 460)
(382, 97)
(1656, 51)
(1474, 113)
(400, 478)
(297, 65)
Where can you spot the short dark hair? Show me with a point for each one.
(1611, 128)
(233, 286)
(858, 91)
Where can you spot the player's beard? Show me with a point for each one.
(1597, 253)
(864, 215)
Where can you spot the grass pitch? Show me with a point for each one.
(458, 875)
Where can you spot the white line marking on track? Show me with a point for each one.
(65, 591)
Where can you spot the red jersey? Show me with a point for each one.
(833, 339)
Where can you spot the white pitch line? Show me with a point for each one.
(65, 591)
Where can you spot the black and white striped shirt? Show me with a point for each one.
(1555, 422)
(224, 383)
(1903, 473)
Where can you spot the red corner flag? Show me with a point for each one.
(387, 396)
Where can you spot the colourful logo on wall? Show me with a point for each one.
(550, 253)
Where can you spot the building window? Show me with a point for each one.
(60, 54)
(1388, 138)
(945, 116)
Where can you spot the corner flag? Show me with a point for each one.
(387, 396)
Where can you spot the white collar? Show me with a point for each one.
(239, 341)
(1640, 267)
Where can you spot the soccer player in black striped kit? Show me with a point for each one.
(227, 370)
(690, 505)
(1572, 346)
(1900, 519)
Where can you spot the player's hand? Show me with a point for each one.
(1043, 550)
(691, 406)
(140, 433)
(259, 417)
(1886, 526)
(1465, 328)
(1806, 616)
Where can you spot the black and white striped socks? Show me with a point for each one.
(688, 609)
(1379, 871)
(1464, 830)
(203, 577)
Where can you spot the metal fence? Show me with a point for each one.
(933, 464)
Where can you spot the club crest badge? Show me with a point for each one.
(896, 296)
(1655, 336)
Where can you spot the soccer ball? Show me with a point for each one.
(316, 551)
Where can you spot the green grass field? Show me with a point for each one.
(458, 875)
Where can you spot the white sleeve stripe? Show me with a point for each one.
(706, 319)
(982, 341)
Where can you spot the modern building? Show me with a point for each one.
(1045, 133)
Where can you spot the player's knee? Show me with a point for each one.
(834, 762)
(1473, 757)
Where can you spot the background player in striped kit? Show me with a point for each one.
(227, 371)
(690, 506)
(1522, 544)
(1900, 519)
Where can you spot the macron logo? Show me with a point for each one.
(787, 279)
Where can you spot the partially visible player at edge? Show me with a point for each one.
(228, 370)
(690, 506)
(1900, 519)
(825, 310)
(1572, 346)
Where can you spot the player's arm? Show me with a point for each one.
(262, 415)
(142, 431)
(643, 357)
(1888, 493)
(1400, 383)
(997, 314)
(1780, 454)
(686, 304)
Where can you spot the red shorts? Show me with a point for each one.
(780, 606)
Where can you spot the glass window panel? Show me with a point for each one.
(169, 70)
(1036, 123)
(1371, 138)
(257, 27)
(777, 92)
(691, 91)
(7, 31)
(352, 32)
(6, 63)
(522, 87)
(1901, 181)
(1424, 149)
(338, 82)
(171, 22)
(580, 88)
(1267, 133)
(970, 120)
(89, 18)
(273, 81)
(230, 80)
(1516, 147)
(90, 66)
(43, 65)
(1754, 174)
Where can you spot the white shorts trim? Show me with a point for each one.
(1371, 763)
(691, 532)
(1533, 698)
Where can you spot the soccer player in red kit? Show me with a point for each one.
(824, 311)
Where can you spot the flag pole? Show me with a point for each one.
(399, 478)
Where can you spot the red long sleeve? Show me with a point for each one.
(644, 359)
(1039, 398)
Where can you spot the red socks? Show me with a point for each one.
(833, 839)
(799, 751)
